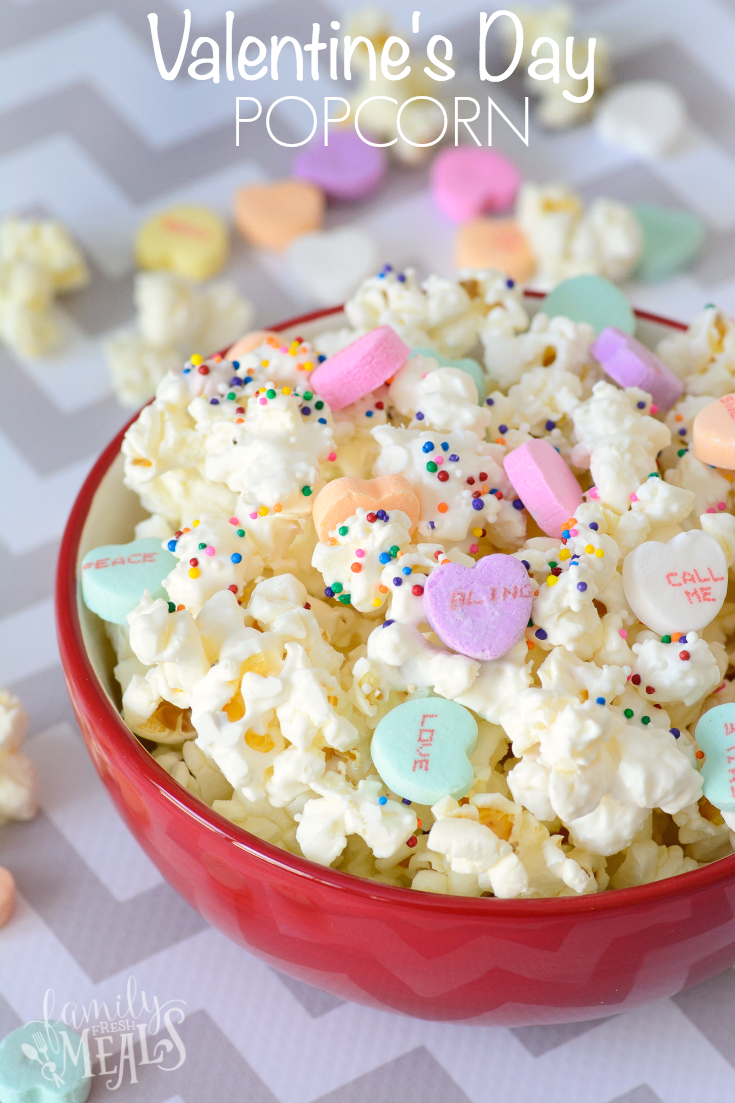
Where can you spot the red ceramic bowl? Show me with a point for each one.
(502, 962)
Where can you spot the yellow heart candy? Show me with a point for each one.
(189, 240)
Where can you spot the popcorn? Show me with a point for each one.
(261, 680)
(704, 356)
(174, 319)
(353, 560)
(38, 260)
(18, 784)
(447, 397)
(604, 241)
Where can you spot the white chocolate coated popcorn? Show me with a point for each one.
(704, 356)
(272, 458)
(446, 397)
(352, 558)
(18, 783)
(447, 510)
(263, 692)
(605, 241)
(214, 555)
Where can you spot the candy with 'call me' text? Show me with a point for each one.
(715, 734)
(115, 576)
(480, 611)
(421, 749)
(679, 586)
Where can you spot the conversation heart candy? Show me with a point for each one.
(7, 895)
(360, 368)
(646, 117)
(480, 611)
(671, 239)
(347, 168)
(45, 1062)
(115, 576)
(342, 498)
(189, 240)
(678, 586)
(250, 341)
(465, 364)
(591, 299)
(631, 364)
(272, 215)
(715, 734)
(421, 749)
(467, 181)
(544, 483)
(495, 243)
(330, 264)
(713, 433)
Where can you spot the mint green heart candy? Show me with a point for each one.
(44, 1063)
(421, 749)
(671, 239)
(465, 364)
(591, 299)
(115, 576)
(715, 734)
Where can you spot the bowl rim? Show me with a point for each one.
(83, 682)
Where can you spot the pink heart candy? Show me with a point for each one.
(544, 483)
(467, 182)
(631, 364)
(361, 367)
(480, 611)
(345, 169)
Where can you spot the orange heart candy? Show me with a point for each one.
(250, 341)
(272, 215)
(342, 498)
(714, 433)
(495, 243)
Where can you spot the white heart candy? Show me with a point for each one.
(679, 586)
(330, 264)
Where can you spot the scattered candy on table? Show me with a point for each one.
(345, 169)
(467, 181)
(544, 483)
(329, 265)
(421, 749)
(677, 586)
(713, 433)
(495, 243)
(671, 240)
(631, 364)
(272, 215)
(38, 1065)
(645, 117)
(115, 576)
(190, 240)
(7, 896)
(480, 611)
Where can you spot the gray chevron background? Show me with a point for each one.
(92, 135)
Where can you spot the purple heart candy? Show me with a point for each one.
(480, 611)
(345, 169)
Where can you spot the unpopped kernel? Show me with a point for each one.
(283, 645)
